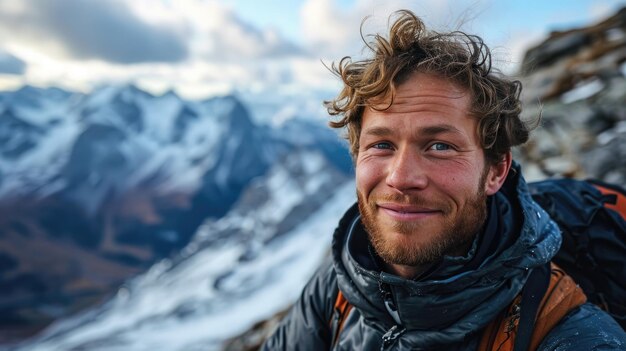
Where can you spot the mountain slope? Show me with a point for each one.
(237, 270)
(96, 188)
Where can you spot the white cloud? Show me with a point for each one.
(104, 30)
(312, 73)
(211, 47)
(509, 57)
(325, 27)
(333, 32)
(214, 31)
(202, 45)
(124, 31)
(599, 11)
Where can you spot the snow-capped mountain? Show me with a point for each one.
(95, 188)
(220, 285)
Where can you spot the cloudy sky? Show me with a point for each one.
(204, 47)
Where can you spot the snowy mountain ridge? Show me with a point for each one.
(96, 188)
(216, 289)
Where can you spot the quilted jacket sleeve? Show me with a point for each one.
(586, 328)
(306, 326)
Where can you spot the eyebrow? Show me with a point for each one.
(439, 129)
(427, 131)
(378, 131)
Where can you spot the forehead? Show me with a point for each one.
(421, 90)
(423, 98)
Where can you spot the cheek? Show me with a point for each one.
(368, 175)
(457, 183)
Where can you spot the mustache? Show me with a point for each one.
(407, 199)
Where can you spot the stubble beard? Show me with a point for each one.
(454, 236)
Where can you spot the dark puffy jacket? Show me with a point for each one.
(448, 308)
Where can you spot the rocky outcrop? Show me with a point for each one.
(253, 338)
(576, 81)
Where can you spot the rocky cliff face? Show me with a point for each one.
(576, 81)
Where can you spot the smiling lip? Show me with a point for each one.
(407, 212)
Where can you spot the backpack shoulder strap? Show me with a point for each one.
(561, 296)
(616, 198)
(340, 313)
(532, 296)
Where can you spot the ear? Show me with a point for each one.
(497, 174)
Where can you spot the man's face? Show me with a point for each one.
(421, 173)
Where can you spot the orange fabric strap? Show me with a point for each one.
(562, 296)
(620, 202)
(342, 309)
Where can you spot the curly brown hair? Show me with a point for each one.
(460, 57)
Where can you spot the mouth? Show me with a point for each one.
(407, 212)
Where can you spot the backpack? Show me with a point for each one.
(592, 218)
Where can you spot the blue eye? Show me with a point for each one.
(440, 147)
(382, 145)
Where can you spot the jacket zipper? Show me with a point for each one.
(391, 336)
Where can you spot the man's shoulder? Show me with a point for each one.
(320, 292)
(324, 280)
(306, 324)
(585, 328)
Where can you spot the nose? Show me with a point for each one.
(406, 171)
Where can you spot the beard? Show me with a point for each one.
(420, 243)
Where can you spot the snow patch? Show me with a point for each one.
(583, 91)
(206, 298)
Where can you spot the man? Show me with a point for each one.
(445, 234)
